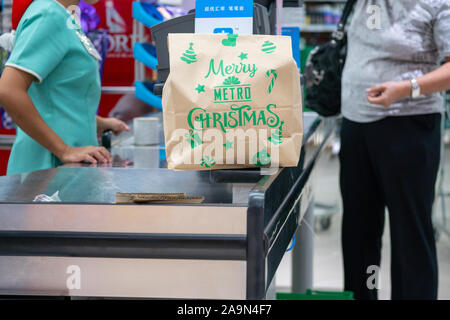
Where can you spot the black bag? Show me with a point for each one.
(324, 68)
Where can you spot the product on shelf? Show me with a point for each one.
(323, 14)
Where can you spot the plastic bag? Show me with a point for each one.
(46, 198)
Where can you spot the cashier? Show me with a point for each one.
(51, 88)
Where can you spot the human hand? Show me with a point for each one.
(388, 93)
(115, 125)
(89, 154)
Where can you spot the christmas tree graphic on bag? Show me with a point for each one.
(189, 55)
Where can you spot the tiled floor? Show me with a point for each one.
(328, 274)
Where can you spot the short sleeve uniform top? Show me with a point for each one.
(66, 93)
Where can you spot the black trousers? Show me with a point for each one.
(390, 163)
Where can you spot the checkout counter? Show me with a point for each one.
(228, 247)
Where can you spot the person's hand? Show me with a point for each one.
(115, 125)
(89, 154)
(388, 93)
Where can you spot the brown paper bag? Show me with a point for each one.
(232, 102)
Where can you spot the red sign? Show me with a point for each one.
(117, 17)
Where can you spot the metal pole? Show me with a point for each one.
(302, 254)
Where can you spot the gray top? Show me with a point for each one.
(412, 39)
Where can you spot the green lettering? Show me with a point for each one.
(232, 93)
(239, 93)
(228, 69)
(213, 70)
(225, 119)
(262, 118)
(231, 68)
(205, 118)
(233, 123)
(216, 118)
(248, 118)
(237, 69)
(225, 93)
(240, 111)
(189, 118)
(217, 94)
(252, 70)
(274, 120)
(248, 94)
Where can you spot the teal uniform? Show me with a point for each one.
(51, 46)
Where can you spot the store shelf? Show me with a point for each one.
(171, 2)
(118, 90)
(312, 28)
(6, 141)
(317, 28)
(321, 16)
(7, 3)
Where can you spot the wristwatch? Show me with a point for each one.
(415, 92)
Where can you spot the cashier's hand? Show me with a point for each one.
(89, 154)
(388, 93)
(115, 125)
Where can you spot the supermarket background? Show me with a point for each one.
(316, 20)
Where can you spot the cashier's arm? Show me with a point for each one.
(115, 125)
(387, 93)
(14, 85)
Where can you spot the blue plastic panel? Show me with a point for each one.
(147, 14)
(146, 53)
(294, 32)
(144, 92)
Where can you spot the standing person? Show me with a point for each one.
(390, 137)
(51, 89)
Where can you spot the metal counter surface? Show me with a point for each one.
(100, 185)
